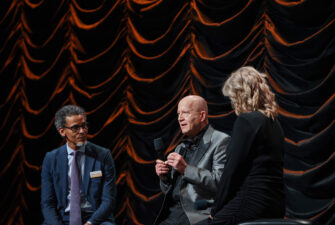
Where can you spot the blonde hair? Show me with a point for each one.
(248, 91)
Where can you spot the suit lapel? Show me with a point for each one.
(62, 162)
(89, 163)
(203, 146)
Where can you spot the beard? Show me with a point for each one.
(75, 143)
(80, 144)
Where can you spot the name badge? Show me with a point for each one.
(95, 174)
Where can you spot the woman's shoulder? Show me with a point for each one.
(254, 118)
(253, 115)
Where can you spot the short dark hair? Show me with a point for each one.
(68, 110)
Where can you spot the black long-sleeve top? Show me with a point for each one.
(251, 185)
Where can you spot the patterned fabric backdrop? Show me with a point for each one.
(129, 62)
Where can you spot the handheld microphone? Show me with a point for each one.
(159, 147)
(202, 204)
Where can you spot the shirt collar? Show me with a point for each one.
(195, 140)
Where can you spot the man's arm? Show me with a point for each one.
(108, 195)
(48, 195)
(163, 172)
(209, 178)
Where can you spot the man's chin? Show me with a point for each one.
(80, 144)
(185, 132)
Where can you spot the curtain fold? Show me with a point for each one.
(129, 62)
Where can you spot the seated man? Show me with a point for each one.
(78, 178)
(197, 165)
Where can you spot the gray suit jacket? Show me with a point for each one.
(202, 174)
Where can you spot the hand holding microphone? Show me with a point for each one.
(162, 168)
(177, 162)
(174, 159)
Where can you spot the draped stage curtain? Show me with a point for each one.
(129, 62)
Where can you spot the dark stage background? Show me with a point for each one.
(129, 62)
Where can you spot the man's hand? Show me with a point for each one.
(177, 162)
(161, 168)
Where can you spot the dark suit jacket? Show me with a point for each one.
(100, 191)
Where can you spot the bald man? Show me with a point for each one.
(190, 175)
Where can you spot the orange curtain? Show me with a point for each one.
(129, 62)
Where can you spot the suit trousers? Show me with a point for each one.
(176, 216)
(84, 216)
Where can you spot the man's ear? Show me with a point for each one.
(203, 116)
(61, 131)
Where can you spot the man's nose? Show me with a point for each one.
(180, 117)
(82, 129)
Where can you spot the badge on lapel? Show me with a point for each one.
(95, 174)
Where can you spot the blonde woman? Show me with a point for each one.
(251, 186)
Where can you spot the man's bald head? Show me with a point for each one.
(197, 102)
(192, 114)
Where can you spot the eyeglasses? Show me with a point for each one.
(76, 128)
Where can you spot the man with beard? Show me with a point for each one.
(78, 178)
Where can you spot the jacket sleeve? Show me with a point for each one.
(209, 178)
(108, 195)
(48, 195)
